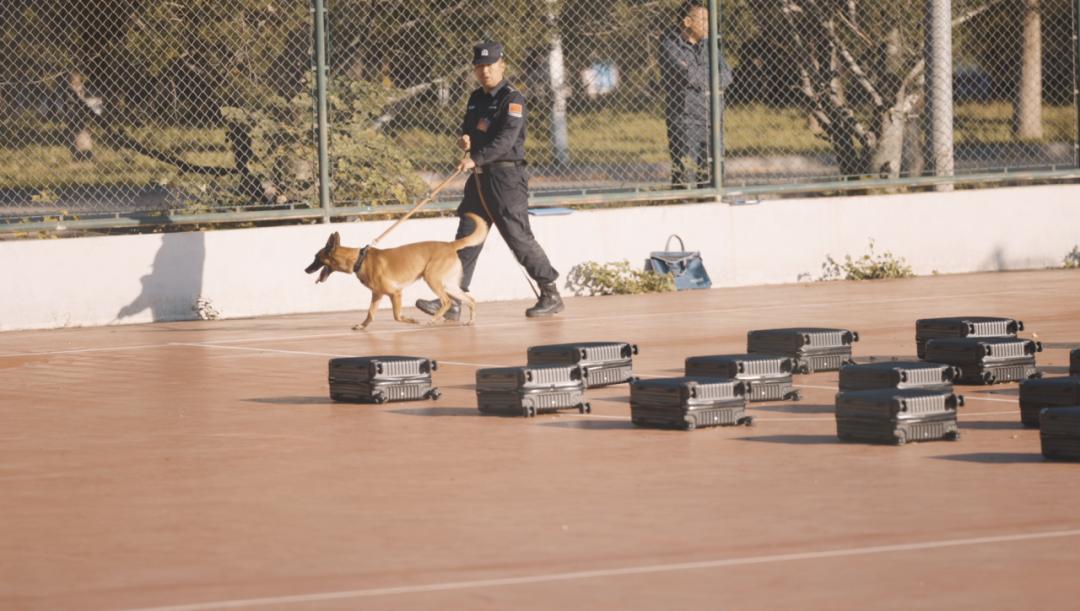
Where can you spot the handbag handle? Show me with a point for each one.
(667, 245)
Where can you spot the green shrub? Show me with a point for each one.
(1072, 259)
(870, 266)
(591, 278)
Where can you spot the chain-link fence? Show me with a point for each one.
(145, 111)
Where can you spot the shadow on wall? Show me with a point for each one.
(996, 262)
(175, 282)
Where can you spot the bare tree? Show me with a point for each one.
(861, 76)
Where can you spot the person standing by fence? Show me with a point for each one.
(493, 134)
(684, 76)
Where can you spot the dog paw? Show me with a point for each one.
(468, 323)
(433, 322)
(359, 327)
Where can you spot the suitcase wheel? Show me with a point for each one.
(528, 411)
(952, 436)
(584, 408)
(379, 398)
(689, 425)
(901, 438)
(795, 395)
(747, 421)
(434, 394)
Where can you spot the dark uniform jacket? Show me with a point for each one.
(684, 76)
(495, 125)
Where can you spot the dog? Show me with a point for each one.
(390, 271)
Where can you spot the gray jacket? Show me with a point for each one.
(684, 76)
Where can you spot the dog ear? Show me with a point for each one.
(333, 241)
(336, 237)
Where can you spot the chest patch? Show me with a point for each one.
(483, 124)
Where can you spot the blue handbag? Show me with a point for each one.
(685, 266)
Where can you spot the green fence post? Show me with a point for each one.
(321, 112)
(717, 100)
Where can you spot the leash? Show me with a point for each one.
(423, 202)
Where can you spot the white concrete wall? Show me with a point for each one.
(256, 272)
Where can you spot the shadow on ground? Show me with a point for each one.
(293, 400)
(992, 425)
(996, 457)
(591, 425)
(794, 407)
(795, 439)
(437, 411)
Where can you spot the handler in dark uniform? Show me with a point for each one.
(684, 75)
(494, 135)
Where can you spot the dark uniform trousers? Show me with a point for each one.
(691, 161)
(506, 191)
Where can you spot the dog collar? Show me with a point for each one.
(360, 259)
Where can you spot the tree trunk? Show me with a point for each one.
(1027, 111)
(557, 71)
(81, 143)
(887, 157)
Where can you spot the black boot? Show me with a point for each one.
(430, 306)
(549, 302)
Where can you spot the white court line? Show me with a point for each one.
(81, 350)
(460, 364)
(690, 313)
(995, 399)
(967, 397)
(816, 387)
(247, 349)
(620, 572)
(686, 313)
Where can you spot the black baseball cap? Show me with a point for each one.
(487, 53)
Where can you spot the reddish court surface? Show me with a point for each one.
(200, 465)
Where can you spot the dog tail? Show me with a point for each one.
(475, 238)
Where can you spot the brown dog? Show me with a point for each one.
(388, 272)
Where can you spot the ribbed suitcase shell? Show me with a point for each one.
(768, 378)
(688, 402)
(998, 374)
(963, 326)
(530, 390)
(1050, 392)
(897, 415)
(1059, 431)
(1074, 362)
(813, 348)
(379, 379)
(603, 363)
(982, 351)
(896, 374)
